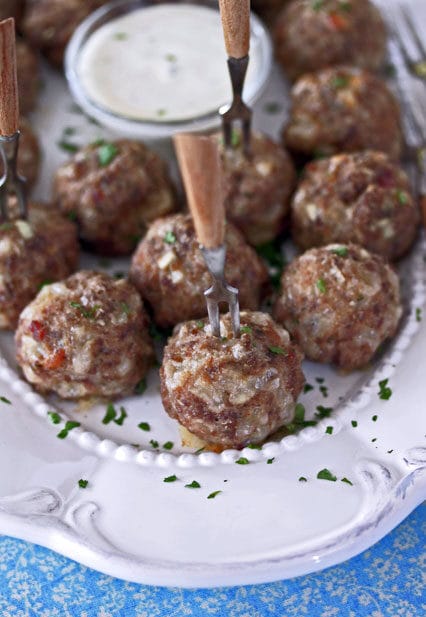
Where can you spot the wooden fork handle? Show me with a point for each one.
(9, 106)
(200, 165)
(235, 15)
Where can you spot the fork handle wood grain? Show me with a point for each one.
(200, 166)
(235, 15)
(9, 105)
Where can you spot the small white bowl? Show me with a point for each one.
(155, 130)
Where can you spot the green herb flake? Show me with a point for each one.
(323, 412)
(321, 286)
(169, 237)
(67, 146)
(384, 391)
(72, 216)
(171, 58)
(154, 443)
(339, 82)
(317, 5)
(200, 450)
(418, 314)
(119, 275)
(125, 308)
(200, 324)
(354, 423)
(161, 112)
(374, 418)
(346, 481)
(242, 461)
(279, 351)
(44, 283)
(69, 426)
(168, 445)
(303, 479)
(324, 391)
(55, 418)
(6, 226)
(402, 197)
(141, 386)
(325, 474)
(329, 430)
(341, 251)
(389, 451)
(123, 415)
(213, 495)
(254, 446)
(193, 484)
(120, 36)
(246, 330)
(307, 388)
(319, 379)
(272, 107)
(106, 154)
(270, 460)
(5, 400)
(83, 483)
(390, 70)
(144, 426)
(299, 413)
(110, 414)
(271, 252)
(89, 313)
(374, 439)
(170, 479)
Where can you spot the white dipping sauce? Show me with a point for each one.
(163, 63)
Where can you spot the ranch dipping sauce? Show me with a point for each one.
(164, 63)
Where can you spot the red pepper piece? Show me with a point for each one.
(37, 330)
(55, 360)
(338, 22)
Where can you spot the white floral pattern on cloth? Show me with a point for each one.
(385, 581)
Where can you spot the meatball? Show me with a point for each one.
(343, 109)
(28, 154)
(28, 76)
(311, 35)
(228, 391)
(42, 249)
(85, 336)
(114, 190)
(362, 198)
(339, 303)
(257, 189)
(169, 271)
(49, 24)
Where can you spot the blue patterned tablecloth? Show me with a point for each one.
(388, 580)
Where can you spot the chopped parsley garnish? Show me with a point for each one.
(319, 379)
(121, 418)
(107, 153)
(374, 439)
(67, 146)
(321, 286)
(246, 329)
(144, 426)
(169, 237)
(384, 391)
(346, 481)
(3, 399)
(272, 107)
(120, 36)
(125, 308)
(87, 313)
(323, 412)
(299, 413)
(171, 58)
(390, 70)
(302, 479)
(161, 112)
(270, 460)
(83, 483)
(110, 414)
(390, 451)
(418, 314)
(402, 197)
(254, 446)
(69, 426)
(170, 479)
(341, 251)
(154, 443)
(329, 430)
(6, 226)
(307, 388)
(44, 283)
(200, 324)
(193, 484)
(69, 131)
(325, 474)
(168, 445)
(345, 6)
(324, 391)
(55, 418)
(277, 350)
(242, 461)
(141, 386)
(317, 5)
(354, 423)
(200, 450)
(272, 254)
(72, 216)
(213, 495)
(119, 275)
(374, 418)
(339, 82)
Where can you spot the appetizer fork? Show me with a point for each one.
(235, 16)
(11, 182)
(200, 165)
(409, 56)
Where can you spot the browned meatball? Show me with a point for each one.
(169, 271)
(85, 336)
(49, 24)
(28, 154)
(44, 248)
(362, 198)
(257, 189)
(28, 76)
(314, 34)
(228, 391)
(114, 190)
(343, 109)
(339, 303)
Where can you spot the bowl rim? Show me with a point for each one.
(153, 129)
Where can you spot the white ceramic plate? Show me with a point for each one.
(265, 524)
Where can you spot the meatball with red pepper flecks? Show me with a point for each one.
(85, 336)
(362, 198)
(114, 190)
(339, 303)
(169, 271)
(228, 391)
